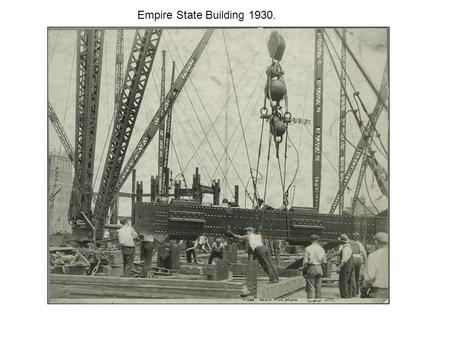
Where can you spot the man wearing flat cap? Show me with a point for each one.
(345, 267)
(377, 276)
(260, 252)
(312, 262)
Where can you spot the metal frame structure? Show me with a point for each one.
(317, 117)
(365, 140)
(163, 110)
(118, 70)
(139, 65)
(161, 128)
(342, 117)
(189, 220)
(166, 174)
(89, 66)
(60, 131)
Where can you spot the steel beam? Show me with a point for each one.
(182, 221)
(317, 117)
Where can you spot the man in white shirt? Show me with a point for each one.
(312, 262)
(127, 235)
(217, 249)
(377, 275)
(260, 252)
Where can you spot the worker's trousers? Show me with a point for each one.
(128, 260)
(345, 279)
(147, 252)
(357, 262)
(378, 293)
(262, 254)
(191, 254)
(214, 254)
(314, 276)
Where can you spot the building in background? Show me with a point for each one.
(60, 187)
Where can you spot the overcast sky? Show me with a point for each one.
(204, 98)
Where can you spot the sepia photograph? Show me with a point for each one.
(218, 165)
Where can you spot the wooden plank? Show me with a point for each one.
(276, 290)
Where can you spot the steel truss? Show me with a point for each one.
(166, 174)
(89, 69)
(60, 131)
(365, 140)
(342, 117)
(139, 65)
(163, 110)
(162, 128)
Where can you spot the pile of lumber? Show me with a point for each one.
(64, 286)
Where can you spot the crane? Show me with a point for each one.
(365, 139)
(163, 110)
(60, 131)
(140, 62)
(118, 70)
(89, 65)
(166, 176)
(342, 116)
(161, 127)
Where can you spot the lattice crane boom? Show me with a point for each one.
(118, 70)
(89, 66)
(342, 117)
(161, 127)
(60, 131)
(139, 65)
(165, 181)
(365, 139)
(163, 110)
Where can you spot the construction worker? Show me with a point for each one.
(190, 251)
(148, 246)
(203, 244)
(345, 267)
(312, 264)
(217, 249)
(376, 279)
(260, 252)
(127, 236)
(359, 258)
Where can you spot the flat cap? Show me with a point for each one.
(250, 229)
(343, 238)
(381, 237)
(123, 221)
(314, 237)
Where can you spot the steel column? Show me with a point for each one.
(317, 117)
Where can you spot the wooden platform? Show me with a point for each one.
(64, 288)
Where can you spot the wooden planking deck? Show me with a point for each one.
(286, 286)
(66, 286)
